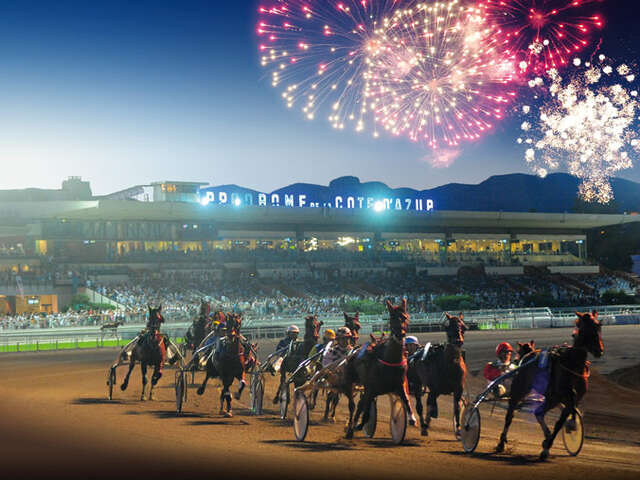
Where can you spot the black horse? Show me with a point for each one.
(232, 359)
(567, 376)
(381, 369)
(440, 368)
(150, 349)
(200, 327)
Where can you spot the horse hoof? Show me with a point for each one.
(228, 414)
(200, 391)
(276, 400)
(424, 432)
(151, 397)
(123, 387)
(500, 448)
(142, 398)
(544, 454)
(349, 435)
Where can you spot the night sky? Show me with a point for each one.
(129, 92)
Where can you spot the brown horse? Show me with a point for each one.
(233, 358)
(381, 369)
(200, 327)
(566, 380)
(147, 351)
(440, 368)
(353, 324)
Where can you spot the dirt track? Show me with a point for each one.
(56, 419)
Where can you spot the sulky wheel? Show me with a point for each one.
(470, 428)
(111, 381)
(398, 420)
(181, 391)
(573, 434)
(300, 416)
(370, 426)
(285, 396)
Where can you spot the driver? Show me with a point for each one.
(412, 345)
(502, 365)
(340, 349)
(153, 326)
(292, 336)
(328, 336)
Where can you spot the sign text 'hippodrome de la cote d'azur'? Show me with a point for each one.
(342, 193)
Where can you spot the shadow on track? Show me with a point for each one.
(100, 401)
(510, 459)
(312, 446)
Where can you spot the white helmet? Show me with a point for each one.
(293, 329)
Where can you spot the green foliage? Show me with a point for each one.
(617, 297)
(613, 246)
(365, 307)
(82, 302)
(455, 302)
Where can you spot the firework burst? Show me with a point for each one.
(543, 34)
(435, 74)
(589, 126)
(315, 51)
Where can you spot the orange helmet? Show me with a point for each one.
(503, 347)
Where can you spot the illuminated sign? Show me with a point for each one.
(353, 195)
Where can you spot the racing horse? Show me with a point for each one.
(440, 368)
(229, 362)
(199, 328)
(353, 324)
(149, 349)
(298, 352)
(381, 369)
(563, 380)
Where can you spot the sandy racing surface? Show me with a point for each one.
(57, 421)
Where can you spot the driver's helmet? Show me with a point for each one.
(329, 335)
(411, 340)
(502, 348)
(293, 329)
(344, 332)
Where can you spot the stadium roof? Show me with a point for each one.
(311, 219)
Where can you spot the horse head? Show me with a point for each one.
(398, 318)
(587, 333)
(205, 308)
(155, 313)
(312, 328)
(526, 348)
(352, 323)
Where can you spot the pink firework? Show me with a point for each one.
(315, 52)
(437, 75)
(543, 34)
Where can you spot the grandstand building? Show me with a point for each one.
(129, 230)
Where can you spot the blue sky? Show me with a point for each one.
(129, 92)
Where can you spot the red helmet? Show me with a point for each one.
(503, 347)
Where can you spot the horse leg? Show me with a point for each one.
(143, 368)
(548, 441)
(336, 399)
(457, 397)
(432, 411)
(154, 380)
(404, 396)
(507, 423)
(276, 399)
(364, 407)
(125, 383)
(327, 407)
(202, 387)
(352, 407)
(241, 387)
(420, 410)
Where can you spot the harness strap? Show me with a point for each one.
(403, 363)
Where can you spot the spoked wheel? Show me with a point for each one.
(300, 416)
(181, 391)
(257, 394)
(398, 420)
(470, 428)
(111, 381)
(370, 426)
(573, 434)
(463, 405)
(284, 400)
